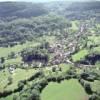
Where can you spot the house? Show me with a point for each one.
(11, 69)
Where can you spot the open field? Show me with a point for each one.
(20, 74)
(4, 51)
(66, 90)
(80, 55)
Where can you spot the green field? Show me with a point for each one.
(67, 90)
(4, 51)
(20, 74)
(75, 25)
(94, 39)
(80, 55)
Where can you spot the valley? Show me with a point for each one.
(50, 55)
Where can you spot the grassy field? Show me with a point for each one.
(67, 90)
(3, 79)
(4, 51)
(19, 74)
(80, 55)
(64, 67)
(74, 25)
(94, 39)
(17, 60)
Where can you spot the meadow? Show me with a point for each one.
(66, 90)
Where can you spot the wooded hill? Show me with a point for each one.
(21, 9)
(50, 18)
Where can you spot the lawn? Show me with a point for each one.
(80, 55)
(67, 90)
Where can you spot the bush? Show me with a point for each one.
(84, 75)
(38, 87)
(54, 69)
(67, 77)
(5, 93)
(36, 75)
(20, 85)
(53, 78)
(43, 83)
(88, 89)
(10, 80)
(94, 97)
(81, 82)
(35, 95)
(14, 97)
(60, 78)
(2, 59)
(90, 78)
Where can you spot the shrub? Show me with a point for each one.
(20, 85)
(54, 69)
(90, 78)
(87, 88)
(10, 80)
(81, 82)
(43, 83)
(94, 97)
(36, 75)
(84, 75)
(60, 78)
(35, 95)
(67, 77)
(14, 97)
(53, 78)
(5, 93)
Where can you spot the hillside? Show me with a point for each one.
(21, 9)
(50, 51)
(19, 30)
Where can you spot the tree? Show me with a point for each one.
(14, 97)
(2, 59)
(87, 88)
(94, 97)
(35, 95)
(54, 69)
(11, 55)
(20, 85)
(10, 80)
